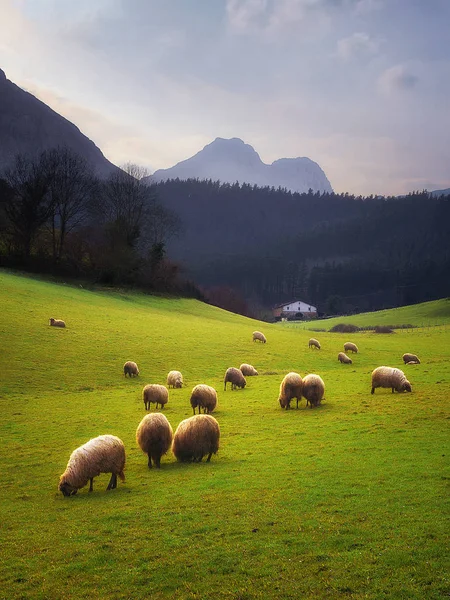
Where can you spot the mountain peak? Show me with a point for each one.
(2, 75)
(231, 160)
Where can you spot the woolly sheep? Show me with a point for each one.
(235, 377)
(313, 389)
(257, 335)
(175, 379)
(248, 370)
(103, 454)
(290, 388)
(343, 358)
(153, 392)
(154, 436)
(313, 343)
(388, 377)
(204, 396)
(410, 359)
(350, 346)
(130, 368)
(196, 437)
(56, 322)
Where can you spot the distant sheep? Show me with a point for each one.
(195, 438)
(154, 436)
(313, 389)
(130, 368)
(388, 377)
(350, 346)
(290, 388)
(203, 396)
(175, 379)
(260, 337)
(153, 392)
(56, 322)
(248, 370)
(410, 359)
(343, 358)
(313, 343)
(103, 454)
(235, 377)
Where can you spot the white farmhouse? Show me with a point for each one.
(290, 309)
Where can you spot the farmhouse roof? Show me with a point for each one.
(291, 302)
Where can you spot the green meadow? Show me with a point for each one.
(349, 500)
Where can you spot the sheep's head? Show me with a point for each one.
(51, 321)
(66, 488)
(178, 383)
(407, 386)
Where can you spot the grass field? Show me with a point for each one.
(349, 500)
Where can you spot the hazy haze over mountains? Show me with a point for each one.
(231, 160)
(28, 126)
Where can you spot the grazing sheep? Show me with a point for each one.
(130, 368)
(235, 377)
(343, 358)
(175, 379)
(257, 335)
(204, 396)
(153, 392)
(248, 370)
(290, 388)
(350, 346)
(313, 343)
(56, 322)
(103, 454)
(388, 377)
(154, 436)
(410, 359)
(313, 389)
(195, 437)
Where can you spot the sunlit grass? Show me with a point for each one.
(348, 500)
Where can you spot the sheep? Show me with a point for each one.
(290, 388)
(102, 454)
(175, 379)
(56, 322)
(195, 437)
(235, 377)
(313, 389)
(248, 370)
(130, 368)
(343, 358)
(257, 335)
(154, 436)
(204, 396)
(350, 346)
(153, 392)
(388, 377)
(410, 359)
(313, 343)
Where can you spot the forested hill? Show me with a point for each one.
(336, 250)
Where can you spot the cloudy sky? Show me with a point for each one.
(360, 86)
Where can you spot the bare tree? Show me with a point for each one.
(30, 205)
(71, 188)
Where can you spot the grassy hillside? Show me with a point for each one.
(346, 500)
(427, 314)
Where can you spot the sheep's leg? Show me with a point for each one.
(91, 484)
(393, 390)
(209, 457)
(112, 482)
(373, 390)
(157, 461)
(149, 461)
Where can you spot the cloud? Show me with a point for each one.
(363, 7)
(356, 46)
(397, 78)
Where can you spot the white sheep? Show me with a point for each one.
(175, 379)
(56, 322)
(235, 377)
(290, 388)
(410, 359)
(313, 389)
(203, 396)
(344, 359)
(260, 337)
(156, 393)
(103, 454)
(389, 377)
(248, 370)
(313, 343)
(154, 436)
(350, 346)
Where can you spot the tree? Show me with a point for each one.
(31, 204)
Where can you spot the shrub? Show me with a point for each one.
(383, 329)
(344, 328)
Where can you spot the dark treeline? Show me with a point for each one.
(340, 252)
(57, 217)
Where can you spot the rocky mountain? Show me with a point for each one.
(437, 193)
(231, 160)
(28, 126)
